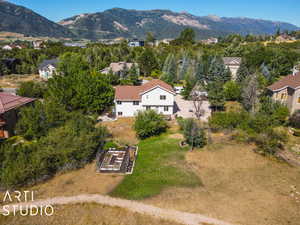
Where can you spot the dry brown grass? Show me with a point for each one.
(122, 131)
(87, 214)
(14, 81)
(82, 181)
(240, 186)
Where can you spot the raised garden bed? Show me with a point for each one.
(117, 160)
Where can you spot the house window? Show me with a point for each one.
(148, 107)
(120, 113)
(166, 108)
(136, 103)
(163, 97)
(119, 102)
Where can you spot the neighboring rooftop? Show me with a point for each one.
(119, 66)
(9, 101)
(134, 92)
(291, 81)
(232, 60)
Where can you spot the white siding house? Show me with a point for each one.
(156, 95)
(233, 63)
(48, 68)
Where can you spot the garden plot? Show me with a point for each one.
(119, 160)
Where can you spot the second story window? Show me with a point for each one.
(136, 103)
(163, 97)
(119, 102)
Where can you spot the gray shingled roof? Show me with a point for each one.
(232, 60)
(45, 63)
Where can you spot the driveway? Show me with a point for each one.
(186, 108)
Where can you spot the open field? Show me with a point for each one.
(14, 81)
(239, 186)
(87, 214)
(122, 131)
(160, 164)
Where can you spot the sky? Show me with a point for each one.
(276, 10)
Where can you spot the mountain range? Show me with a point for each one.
(125, 23)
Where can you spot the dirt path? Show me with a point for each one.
(168, 214)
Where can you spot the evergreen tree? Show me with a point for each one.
(147, 62)
(243, 72)
(217, 71)
(169, 69)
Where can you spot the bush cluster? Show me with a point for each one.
(149, 123)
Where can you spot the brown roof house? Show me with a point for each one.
(9, 105)
(287, 90)
(155, 94)
(119, 68)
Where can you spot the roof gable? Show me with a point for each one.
(135, 92)
(292, 81)
(9, 101)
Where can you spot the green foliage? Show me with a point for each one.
(147, 62)
(270, 141)
(32, 89)
(227, 120)
(79, 91)
(169, 70)
(216, 95)
(35, 121)
(232, 91)
(64, 148)
(158, 167)
(187, 36)
(193, 134)
(295, 119)
(149, 123)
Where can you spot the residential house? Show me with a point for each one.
(38, 44)
(284, 38)
(233, 63)
(119, 68)
(48, 68)
(75, 44)
(136, 43)
(287, 90)
(154, 94)
(210, 41)
(9, 105)
(13, 46)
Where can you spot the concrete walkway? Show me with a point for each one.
(134, 206)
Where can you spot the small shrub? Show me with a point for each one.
(149, 123)
(295, 119)
(271, 141)
(194, 135)
(226, 120)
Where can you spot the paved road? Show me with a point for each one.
(167, 214)
(185, 107)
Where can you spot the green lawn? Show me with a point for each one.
(160, 164)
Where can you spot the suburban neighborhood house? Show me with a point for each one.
(48, 68)
(287, 90)
(119, 68)
(155, 94)
(9, 105)
(233, 64)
